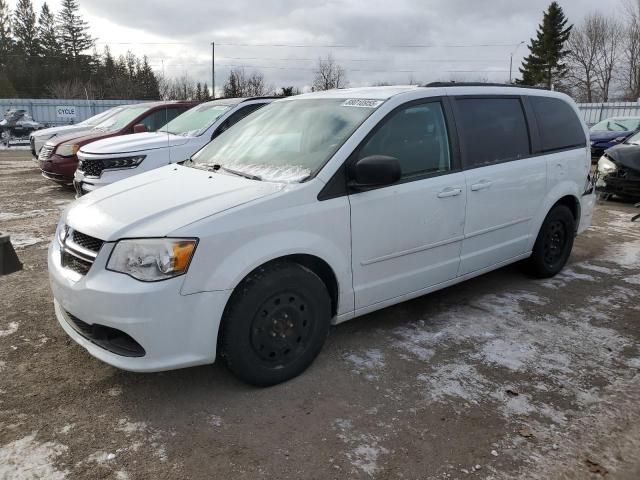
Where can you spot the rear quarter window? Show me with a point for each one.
(559, 126)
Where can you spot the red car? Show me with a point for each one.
(57, 158)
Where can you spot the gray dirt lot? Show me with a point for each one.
(521, 377)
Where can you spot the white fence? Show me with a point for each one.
(594, 112)
(60, 112)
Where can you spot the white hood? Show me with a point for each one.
(61, 130)
(155, 203)
(136, 142)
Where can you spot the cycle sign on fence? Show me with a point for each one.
(66, 111)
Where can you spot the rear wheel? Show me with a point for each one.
(554, 243)
(275, 324)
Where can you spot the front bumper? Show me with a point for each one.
(623, 186)
(59, 169)
(173, 330)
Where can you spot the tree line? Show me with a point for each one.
(596, 60)
(53, 55)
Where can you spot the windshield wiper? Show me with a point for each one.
(237, 172)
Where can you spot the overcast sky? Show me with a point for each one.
(374, 40)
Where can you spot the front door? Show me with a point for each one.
(407, 237)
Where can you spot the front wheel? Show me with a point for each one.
(275, 324)
(554, 243)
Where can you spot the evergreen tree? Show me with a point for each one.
(206, 96)
(544, 64)
(74, 35)
(198, 91)
(6, 40)
(50, 51)
(25, 30)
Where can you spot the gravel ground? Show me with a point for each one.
(501, 377)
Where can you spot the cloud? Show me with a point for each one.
(372, 30)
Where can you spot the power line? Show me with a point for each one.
(278, 45)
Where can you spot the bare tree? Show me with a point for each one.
(584, 49)
(329, 74)
(181, 88)
(630, 71)
(609, 52)
(239, 84)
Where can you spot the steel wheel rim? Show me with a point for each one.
(555, 241)
(282, 328)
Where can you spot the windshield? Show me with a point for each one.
(121, 119)
(194, 122)
(287, 141)
(101, 117)
(617, 125)
(634, 139)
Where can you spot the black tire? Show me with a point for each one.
(554, 243)
(275, 323)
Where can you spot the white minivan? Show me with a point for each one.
(112, 159)
(314, 210)
(38, 138)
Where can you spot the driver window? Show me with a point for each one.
(417, 137)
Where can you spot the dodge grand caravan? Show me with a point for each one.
(314, 210)
(38, 138)
(106, 161)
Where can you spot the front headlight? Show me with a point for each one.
(152, 259)
(67, 149)
(606, 166)
(122, 162)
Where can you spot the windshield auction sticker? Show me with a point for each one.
(362, 103)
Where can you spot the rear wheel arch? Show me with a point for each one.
(573, 204)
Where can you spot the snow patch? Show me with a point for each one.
(115, 392)
(100, 457)
(27, 459)
(23, 240)
(67, 428)
(365, 448)
(215, 420)
(369, 363)
(10, 330)
(633, 279)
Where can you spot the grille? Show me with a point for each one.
(75, 264)
(91, 168)
(45, 152)
(111, 339)
(85, 241)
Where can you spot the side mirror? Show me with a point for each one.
(139, 128)
(374, 171)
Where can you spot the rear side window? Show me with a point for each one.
(493, 130)
(558, 124)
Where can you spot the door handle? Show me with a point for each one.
(449, 192)
(481, 185)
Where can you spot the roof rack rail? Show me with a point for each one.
(479, 84)
(261, 98)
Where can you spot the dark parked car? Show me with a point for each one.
(619, 170)
(611, 132)
(58, 160)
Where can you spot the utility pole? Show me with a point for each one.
(511, 61)
(213, 70)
